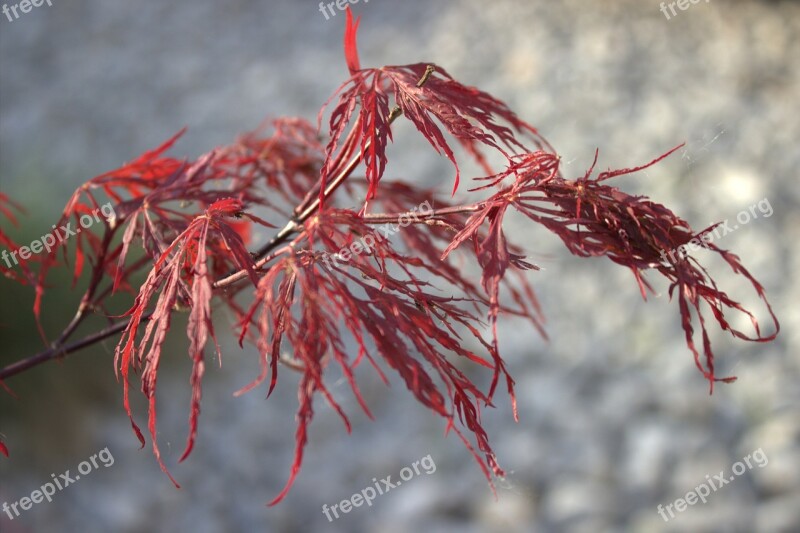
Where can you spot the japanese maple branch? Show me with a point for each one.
(310, 204)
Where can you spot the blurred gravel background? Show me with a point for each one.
(615, 419)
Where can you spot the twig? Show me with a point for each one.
(55, 352)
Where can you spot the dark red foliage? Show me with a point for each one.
(362, 270)
(6, 206)
(183, 276)
(425, 94)
(594, 219)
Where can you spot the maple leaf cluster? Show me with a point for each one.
(405, 303)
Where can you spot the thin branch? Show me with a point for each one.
(53, 353)
(233, 278)
(415, 217)
(97, 276)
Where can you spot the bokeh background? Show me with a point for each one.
(614, 417)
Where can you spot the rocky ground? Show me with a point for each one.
(614, 418)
